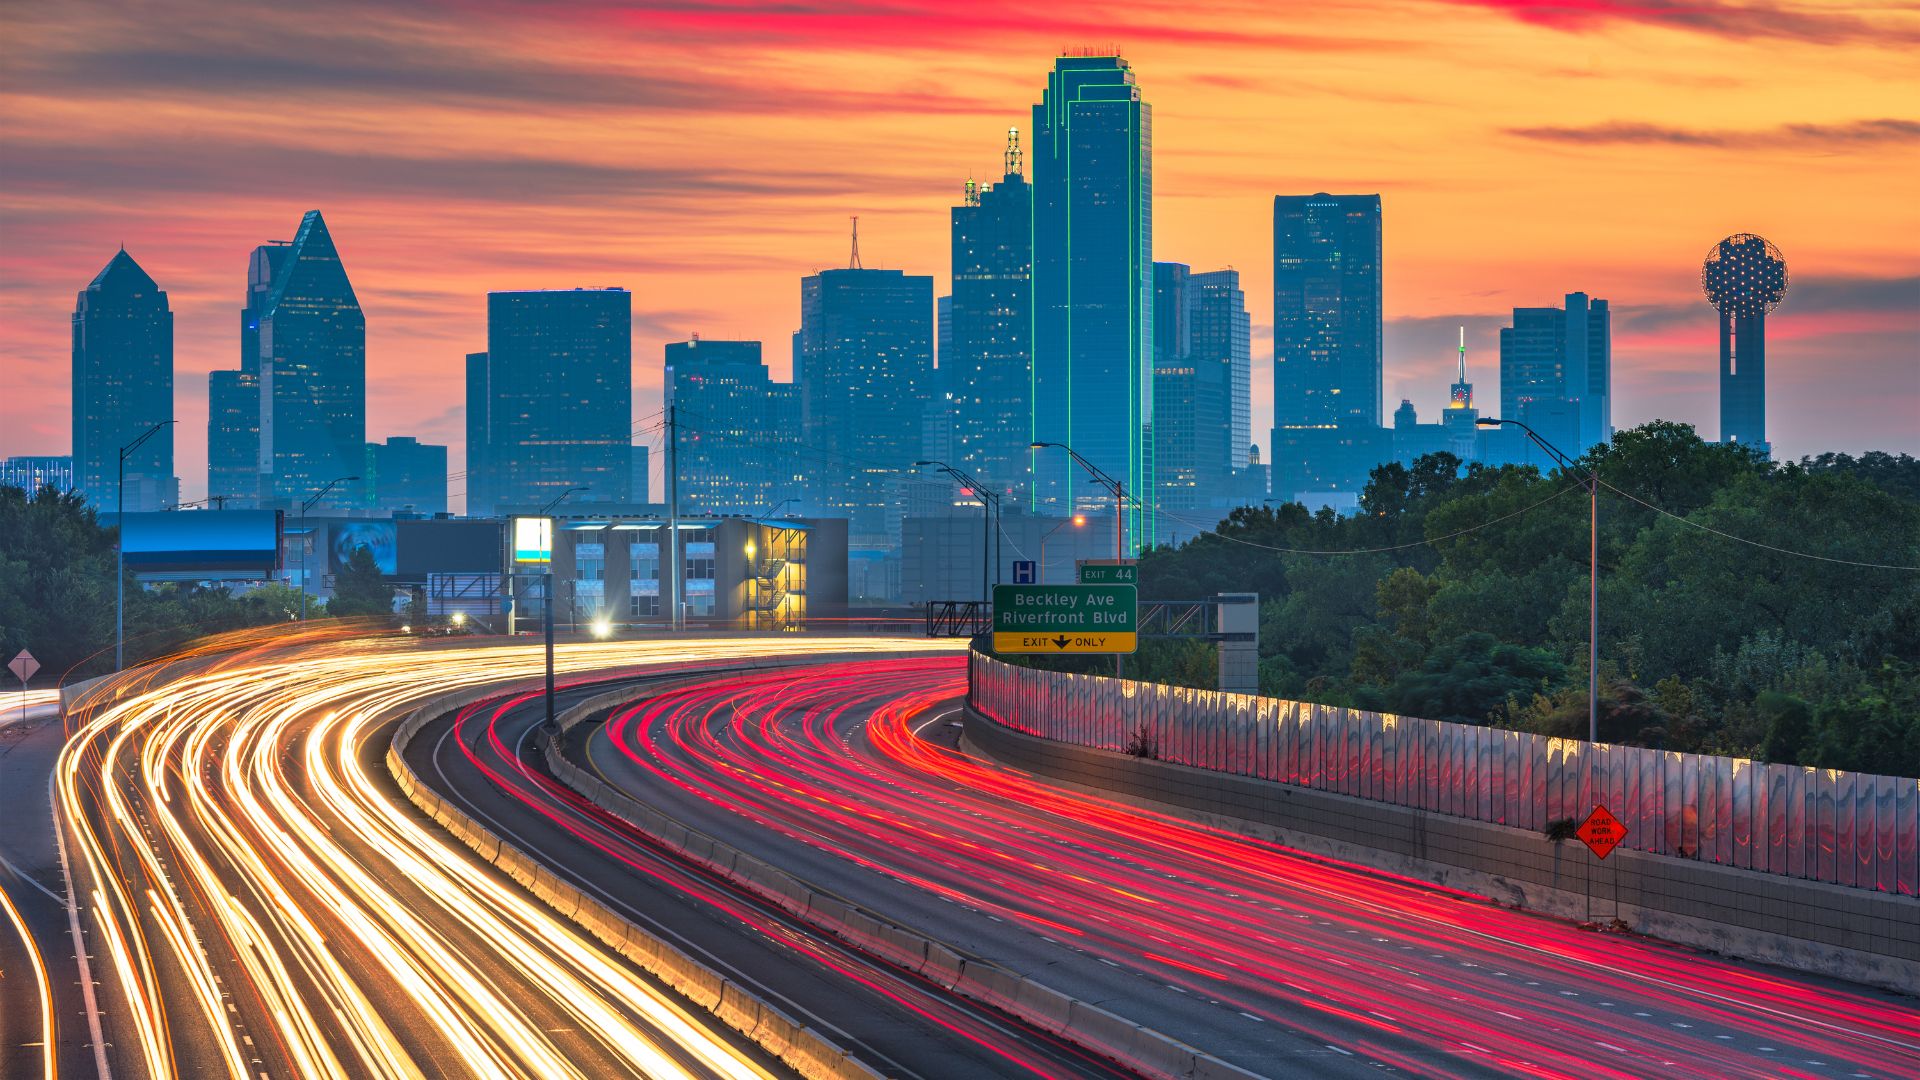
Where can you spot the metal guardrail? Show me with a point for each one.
(1846, 828)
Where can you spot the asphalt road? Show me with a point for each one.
(1280, 962)
(487, 760)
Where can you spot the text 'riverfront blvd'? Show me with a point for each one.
(1065, 618)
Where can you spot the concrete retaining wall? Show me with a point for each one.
(1867, 937)
(1138, 1048)
(809, 1053)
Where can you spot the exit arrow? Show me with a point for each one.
(1063, 642)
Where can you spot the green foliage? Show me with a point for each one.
(1705, 642)
(359, 590)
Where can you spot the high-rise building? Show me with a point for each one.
(479, 502)
(1555, 375)
(641, 487)
(1744, 277)
(312, 341)
(863, 364)
(122, 386)
(31, 472)
(407, 476)
(234, 408)
(1200, 387)
(988, 364)
(1093, 289)
(739, 435)
(559, 397)
(1328, 370)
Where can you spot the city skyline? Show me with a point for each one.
(1476, 208)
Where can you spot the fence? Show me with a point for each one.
(1846, 828)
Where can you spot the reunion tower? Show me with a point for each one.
(1744, 277)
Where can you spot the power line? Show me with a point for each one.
(1376, 550)
(1752, 543)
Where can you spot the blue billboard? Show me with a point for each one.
(203, 545)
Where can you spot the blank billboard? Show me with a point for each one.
(203, 545)
(449, 547)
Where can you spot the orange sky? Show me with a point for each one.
(706, 155)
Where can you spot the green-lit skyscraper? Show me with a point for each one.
(1093, 288)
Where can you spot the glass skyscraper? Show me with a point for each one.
(863, 360)
(739, 430)
(1328, 372)
(1201, 387)
(988, 356)
(233, 397)
(1093, 288)
(558, 397)
(312, 341)
(1555, 376)
(407, 475)
(123, 385)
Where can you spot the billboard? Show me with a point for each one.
(448, 547)
(378, 537)
(533, 540)
(204, 545)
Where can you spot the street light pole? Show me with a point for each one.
(306, 541)
(990, 512)
(1593, 567)
(1118, 488)
(120, 548)
(1076, 521)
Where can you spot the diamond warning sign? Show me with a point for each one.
(1601, 832)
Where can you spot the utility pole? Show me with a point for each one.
(546, 584)
(671, 550)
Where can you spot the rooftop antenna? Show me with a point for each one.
(1013, 151)
(853, 261)
(1463, 354)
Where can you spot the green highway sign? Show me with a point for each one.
(1109, 573)
(1065, 618)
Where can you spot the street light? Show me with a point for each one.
(306, 541)
(1118, 488)
(990, 511)
(557, 499)
(1076, 521)
(120, 544)
(1593, 567)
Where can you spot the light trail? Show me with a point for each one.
(1363, 961)
(48, 1050)
(269, 905)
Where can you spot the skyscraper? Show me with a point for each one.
(123, 385)
(408, 476)
(1744, 278)
(313, 374)
(1328, 372)
(863, 363)
(739, 430)
(1093, 288)
(479, 502)
(1555, 375)
(559, 396)
(233, 397)
(988, 359)
(1200, 386)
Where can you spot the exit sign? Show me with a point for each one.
(1109, 573)
(1065, 618)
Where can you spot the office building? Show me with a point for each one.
(557, 387)
(987, 359)
(1201, 387)
(31, 472)
(233, 439)
(122, 386)
(863, 362)
(1555, 374)
(1092, 156)
(312, 364)
(477, 393)
(1328, 370)
(407, 476)
(739, 437)
(641, 486)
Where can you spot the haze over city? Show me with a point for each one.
(706, 157)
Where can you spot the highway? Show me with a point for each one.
(1276, 961)
(260, 900)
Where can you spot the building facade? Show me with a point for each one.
(1093, 336)
(407, 476)
(234, 407)
(1328, 369)
(1556, 375)
(312, 341)
(122, 387)
(863, 363)
(557, 387)
(1201, 388)
(31, 472)
(987, 358)
(739, 431)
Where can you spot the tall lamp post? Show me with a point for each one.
(306, 541)
(1118, 488)
(1076, 521)
(1592, 481)
(990, 511)
(120, 545)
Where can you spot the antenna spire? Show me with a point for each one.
(1463, 354)
(971, 192)
(1013, 151)
(853, 261)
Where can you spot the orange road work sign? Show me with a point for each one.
(1601, 832)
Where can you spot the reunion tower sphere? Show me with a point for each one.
(1744, 275)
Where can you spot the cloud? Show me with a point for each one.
(1716, 18)
(1858, 133)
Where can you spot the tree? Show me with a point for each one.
(360, 590)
